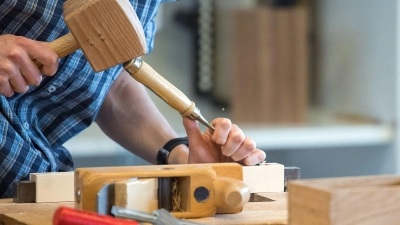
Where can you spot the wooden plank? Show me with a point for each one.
(244, 78)
(269, 177)
(28, 213)
(42, 218)
(301, 54)
(272, 212)
(346, 200)
(270, 65)
(284, 63)
(8, 206)
(54, 187)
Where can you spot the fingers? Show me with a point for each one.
(244, 149)
(43, 54)
(24, 70)
(254, 157)
(17, 69)
(197, 147)
(194, 134)
(222, 130)
(234, 144)
(247, 153)
(5, 87)
(226, 143)
(192, 128)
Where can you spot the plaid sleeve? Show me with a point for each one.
(37, 123)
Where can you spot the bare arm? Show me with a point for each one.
(130, 118)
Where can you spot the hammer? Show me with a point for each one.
(109, 33)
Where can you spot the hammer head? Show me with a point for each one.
(108, 31)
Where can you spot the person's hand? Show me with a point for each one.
(226, 143)
(17, 67)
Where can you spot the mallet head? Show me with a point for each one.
(108, 31)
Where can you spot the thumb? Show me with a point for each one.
(197, 146)
(192, 130)
(196, 138)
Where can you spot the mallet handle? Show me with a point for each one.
(63, 46)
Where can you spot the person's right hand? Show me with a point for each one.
(17, 67)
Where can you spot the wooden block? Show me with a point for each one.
(54, 187)
(137, 194)
(269, 177)
(346, 200)
(291, 173)
(24, 191)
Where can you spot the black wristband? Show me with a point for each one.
(163, 152)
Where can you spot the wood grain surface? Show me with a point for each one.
(271, 212)
(108, 32)
(28, 213)
(270, 65)
(345, 200)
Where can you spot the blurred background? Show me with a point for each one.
(314, 83)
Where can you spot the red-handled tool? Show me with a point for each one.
(69, 216)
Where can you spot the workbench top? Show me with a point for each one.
(270, 212)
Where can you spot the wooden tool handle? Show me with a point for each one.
(146, 75)
(230, 193)
(63, 46)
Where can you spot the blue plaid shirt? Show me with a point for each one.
(36, 124)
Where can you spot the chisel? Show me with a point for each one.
(146, 75)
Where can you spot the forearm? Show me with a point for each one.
(130, 118)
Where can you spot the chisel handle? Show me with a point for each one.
(146, 75)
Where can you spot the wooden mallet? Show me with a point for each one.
(109, 33)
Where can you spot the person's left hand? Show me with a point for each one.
(226, 143)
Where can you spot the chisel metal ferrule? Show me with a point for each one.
(137, 62)
(196, 115)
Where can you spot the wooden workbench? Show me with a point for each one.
(271, 212)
